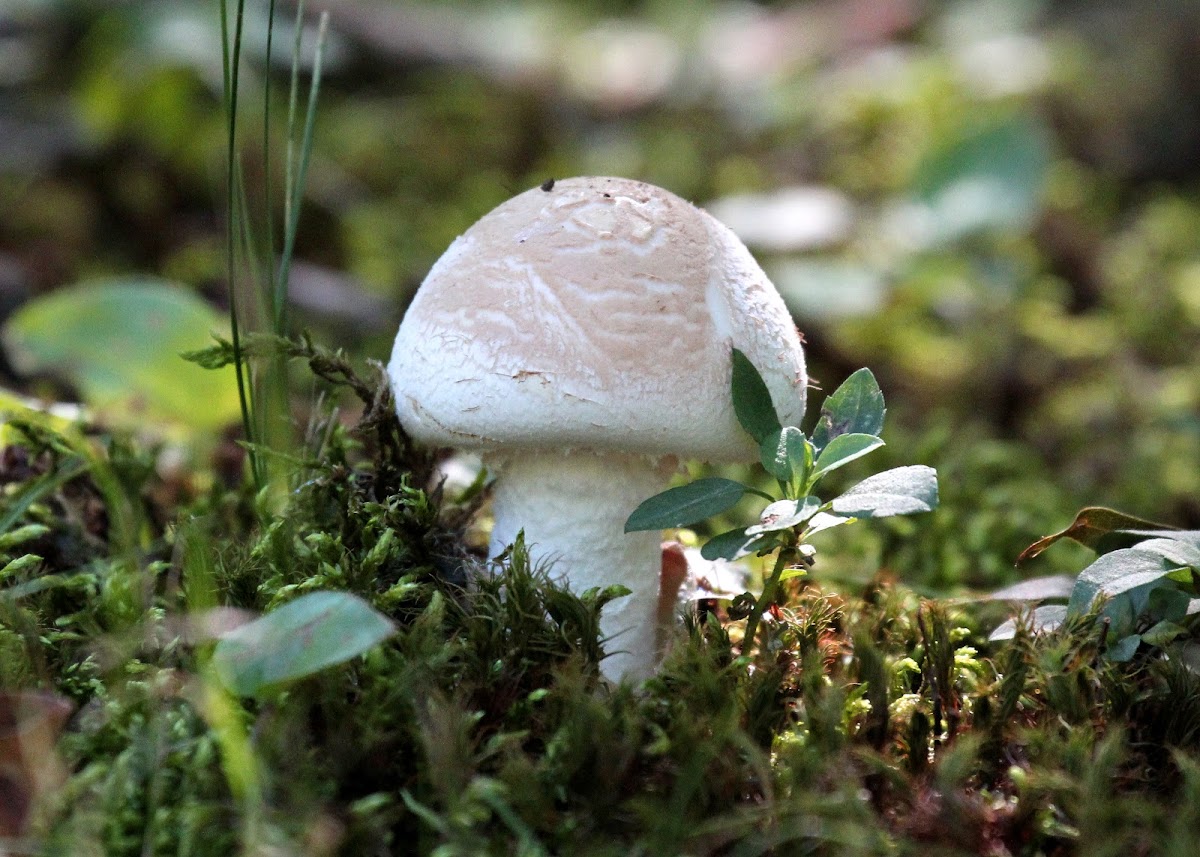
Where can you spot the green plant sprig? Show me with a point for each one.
(847, 429)
(1144, 583)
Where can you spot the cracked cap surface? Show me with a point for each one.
(599, 313)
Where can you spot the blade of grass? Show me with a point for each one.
(289, 177)
(256, 261)
(297, 170)
(266, 146)
(39, 488)
(251, 263)
(231, 56)
(258, 279)
(267, 375)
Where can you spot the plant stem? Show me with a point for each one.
(787, 555)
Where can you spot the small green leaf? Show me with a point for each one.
(20, 535)
(20, 565)
(752, 400)
(1162, 633)
(899, 491)
(215, 356)
(824, 521)
(1036, 589)
(1167, 602)
(1043, 620)
(787, 455)
(303, 637)
(785, 514)
(1125, 649)
(1115, 573)
(856, 407)
(601, 595)
(687, 504)
(842, 450)
(733, 544)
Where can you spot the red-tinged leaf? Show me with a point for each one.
(1090, 526)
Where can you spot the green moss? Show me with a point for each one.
(483, 727)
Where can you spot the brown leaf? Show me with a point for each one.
(29, 767)
(1089, 527)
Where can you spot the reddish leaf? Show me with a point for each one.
(1089, 527)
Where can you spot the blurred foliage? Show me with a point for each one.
(118, 343)
(1007, 254)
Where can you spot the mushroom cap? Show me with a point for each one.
(594, 313)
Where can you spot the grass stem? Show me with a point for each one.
(297, 164)
(231, 55)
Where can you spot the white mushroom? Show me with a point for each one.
(579, 335)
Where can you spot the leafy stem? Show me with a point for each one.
(788, 555)
(847, 429)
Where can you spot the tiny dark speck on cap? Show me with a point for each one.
(548, 185)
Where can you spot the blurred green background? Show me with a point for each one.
(993, 205)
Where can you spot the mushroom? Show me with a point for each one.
(579, 336)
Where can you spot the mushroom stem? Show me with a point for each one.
(572, 507)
